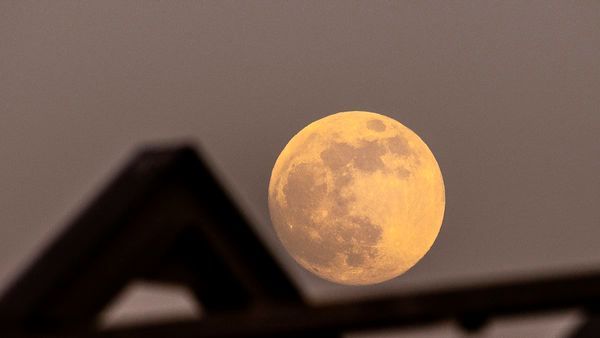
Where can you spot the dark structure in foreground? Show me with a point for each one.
(165, 218)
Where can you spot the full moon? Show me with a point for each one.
(356, 198)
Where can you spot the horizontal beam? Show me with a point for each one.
(525, 296)
(482, 301)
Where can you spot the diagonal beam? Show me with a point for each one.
(163, 200)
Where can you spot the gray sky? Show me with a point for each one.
(506, 94)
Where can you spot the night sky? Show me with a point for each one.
(506, 95)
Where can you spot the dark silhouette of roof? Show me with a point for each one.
(165, 218)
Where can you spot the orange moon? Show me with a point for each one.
(356, 198)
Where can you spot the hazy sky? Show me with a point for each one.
(506, 94)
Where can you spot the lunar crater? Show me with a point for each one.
(376, 125)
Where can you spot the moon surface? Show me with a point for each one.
(356, 198)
